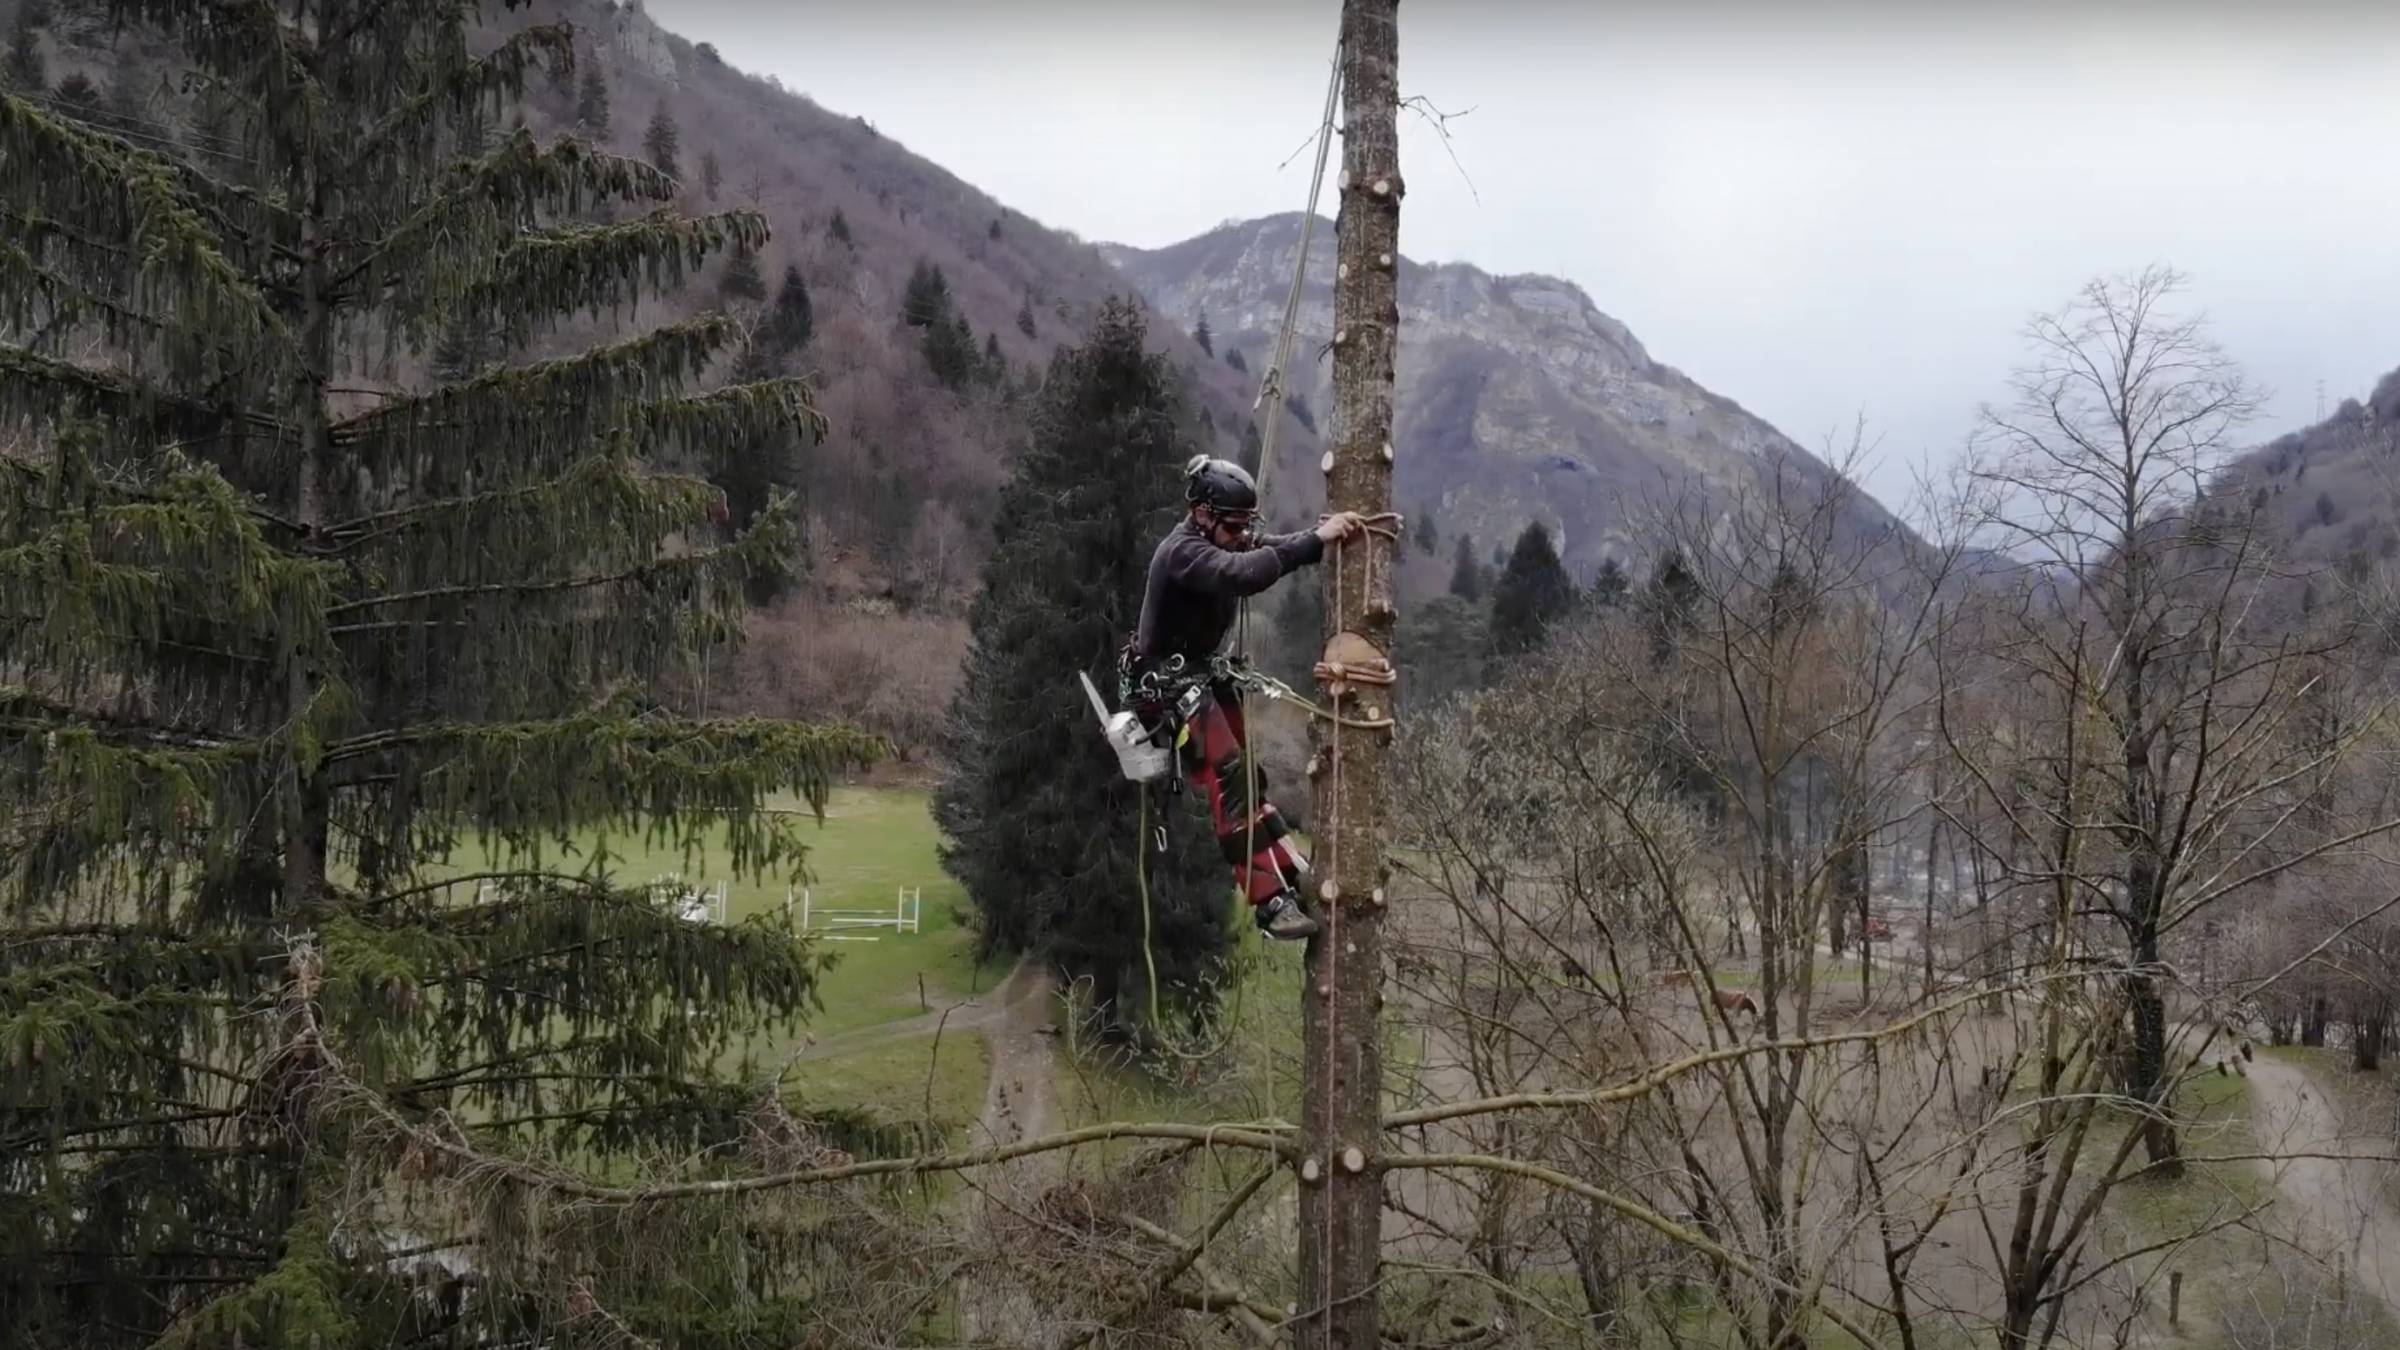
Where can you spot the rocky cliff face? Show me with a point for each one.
(1518, 398)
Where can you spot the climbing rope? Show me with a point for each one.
(1270, 397)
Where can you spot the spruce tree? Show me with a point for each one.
(1233, 358)
(22, 71)
(950, 352)
(1533, 592)
(1200, 335)
(591, 103)
(77, 96)
(661, 142)
(1668, 606)
(1466, 574)
(278, 663)
(741, 280)
(925, 301)
(712, 174)
(1610, 584)
(791, 322)
(1040, 825)
(1025, 317)
(1254, 447)
(838, 229)
(1443, 641)
(1422, 528)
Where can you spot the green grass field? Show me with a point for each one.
(871, 842)
(905, 1079)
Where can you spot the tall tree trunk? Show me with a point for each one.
(2366, 1038)
(1933, 849)
(1588, 1241)
(2150, 1025)
(304, 804)
(1341, 1114)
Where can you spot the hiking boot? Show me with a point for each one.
(1282, 918)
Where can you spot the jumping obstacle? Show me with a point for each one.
(906, 908)
(692, 904)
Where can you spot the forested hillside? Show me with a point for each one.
(2330, 492)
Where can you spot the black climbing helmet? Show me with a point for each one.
(1219, 485)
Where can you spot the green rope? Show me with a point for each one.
(1141, 876)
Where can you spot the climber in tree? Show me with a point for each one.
(1198, 576)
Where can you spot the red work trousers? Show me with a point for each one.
(1251, 839)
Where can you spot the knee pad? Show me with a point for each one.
(1244, 842)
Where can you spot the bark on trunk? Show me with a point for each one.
(304, 804)
(2150, 1054)
(2366, 1039)
(1340, 1212)
(1933, 851)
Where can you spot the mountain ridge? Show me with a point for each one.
(1519, 397)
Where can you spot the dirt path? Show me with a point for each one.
(2334, 1206)
(1012, 1015)
(1018, 1101)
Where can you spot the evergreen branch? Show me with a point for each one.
(517, 181)
(711, 427)
(141, 571)
(673, 777)
(610, 476)
(724, 419)
(700, 561)
(117, 490)
(646, 736)
(35, 388)
(591, 268)
(25, 712)
(23, 279)
(587, 390)
(135, 197)
(499, 71)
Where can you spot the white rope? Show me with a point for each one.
(1270, 386)
(1270, 397)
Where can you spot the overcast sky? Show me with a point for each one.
(1818, 210)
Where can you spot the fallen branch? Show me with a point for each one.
(1243, 1311)
(554, 1182)
(1188, 1252)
